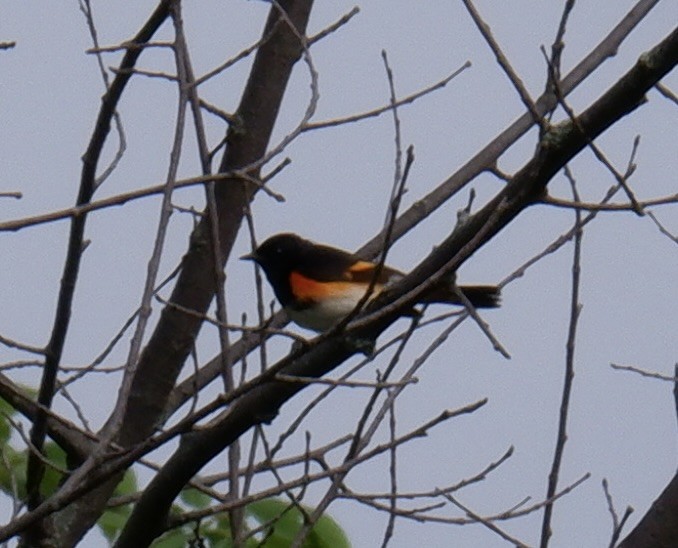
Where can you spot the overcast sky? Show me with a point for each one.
(622, 427)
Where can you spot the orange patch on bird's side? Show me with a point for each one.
(306, 289)
(362, 266)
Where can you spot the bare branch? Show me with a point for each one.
(617, 524)
(481, 323)
(343, 20)
(21, 346)
(643, 372)
(346, 383)
(575, 310)
(486, 522)
(81, 210)
(662, 228)
(666, 92)
(504, 63)
(124, 46)
(380, 110)
(557, 47)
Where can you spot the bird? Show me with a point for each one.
(319, 285)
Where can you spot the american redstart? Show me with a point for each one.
(320, 285)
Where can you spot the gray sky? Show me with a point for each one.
(622, 426)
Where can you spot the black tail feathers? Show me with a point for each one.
(480, 296)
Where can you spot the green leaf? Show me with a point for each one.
(288, 521)
(113, 520)
(326, 533)
(176, 538)
(195, 499)
(17, 468)
(6, 410)
(218, 537)
(267, 509)
(52, 478)
(13, 465)
(127, 485)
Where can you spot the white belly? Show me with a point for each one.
(323, 315)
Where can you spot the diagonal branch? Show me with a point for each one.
(659, 527)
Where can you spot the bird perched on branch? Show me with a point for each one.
(318, 285)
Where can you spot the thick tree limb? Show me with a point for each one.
(659, 527)
(72, 440)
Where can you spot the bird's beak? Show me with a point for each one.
(250, 257)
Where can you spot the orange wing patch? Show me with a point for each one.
(361, 267)
(307, 289)
(363, 271)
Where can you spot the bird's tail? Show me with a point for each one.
(480, 296)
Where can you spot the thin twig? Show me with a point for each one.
(145, 308)
(598, 153)
(219, 113)
(237, 328)
(587, 206)
(643, 372)
(380, 110)
(553, 72)
(480, 476)
(86, 9)
(481, 323)
(32, 449)
(666, 92)
(617, 524)
(239, 57)
(393, 478)
(11, 343)
(504, 63)
(484, 521)
(575, 309)
(661, 227)
(145, 72)
(397, 190)
(346, 383)
(119, 199)
(421, 514)
(125, 46)
(343, 20)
